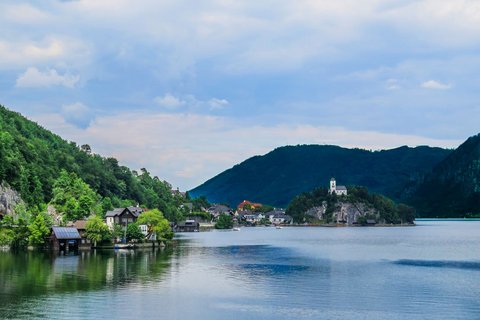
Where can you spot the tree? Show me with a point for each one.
(96, 230)
(73, 197)
(224, 221)
(39, 230)
(156, 223)
(134, 233)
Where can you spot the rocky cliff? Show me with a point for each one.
(9, 199)
(343, 212)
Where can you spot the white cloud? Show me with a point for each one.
(393, 84)
(77, 114)
(218, 103)
(53, 51)
(169, 101)
(24, 14)
(33, 77)
(190, 102)
(436, 85)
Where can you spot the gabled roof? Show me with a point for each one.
(135, 211)
(341, 188)
(115, 212)
(68, 233)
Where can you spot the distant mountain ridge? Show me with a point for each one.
(277, 177)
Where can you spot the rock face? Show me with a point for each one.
(347, 212)
(9, 198)
(344, 212)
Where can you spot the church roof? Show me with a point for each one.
(341, 188)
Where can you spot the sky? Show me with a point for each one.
(187, 89)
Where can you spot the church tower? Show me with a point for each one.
(333, 185)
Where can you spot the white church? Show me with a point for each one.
(338, 190)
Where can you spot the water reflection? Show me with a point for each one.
(24, 275)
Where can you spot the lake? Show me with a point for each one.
(431, 271)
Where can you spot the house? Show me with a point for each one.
(65, 239)
(80, 225)
(218, 209)
(338, 190)
(277, 217)
(187, 226)
(247, 205)
(122, 216)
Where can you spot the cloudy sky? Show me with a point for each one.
(187, 89)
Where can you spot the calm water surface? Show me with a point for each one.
(431, 271)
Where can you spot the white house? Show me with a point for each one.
(338, 190)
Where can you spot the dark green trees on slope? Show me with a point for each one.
(277, 177)
(453, 187)
(32, 158)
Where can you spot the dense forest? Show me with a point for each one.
(277, 177)
(42, 167)
(380, 208)
(453, 186)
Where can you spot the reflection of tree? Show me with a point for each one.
(27, 274)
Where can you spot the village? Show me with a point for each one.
(74, 236)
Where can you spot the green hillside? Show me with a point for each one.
(32, 159)
(453, 186)
(277, 177)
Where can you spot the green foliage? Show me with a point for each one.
(134, 233)
(96, 230)
(35, 161)
(157, 223)
(205, 216)
(14, 232)
(452, 189)
(307, 200)
(277, 177)
(39, 230)
(73, 197)
(200, 203)
(7, 236)
(224, 221)
(265, 222)
(118, 231)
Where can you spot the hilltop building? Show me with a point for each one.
(338, 190)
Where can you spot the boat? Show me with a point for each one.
(279, 227)
(236, 229)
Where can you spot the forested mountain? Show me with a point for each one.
(453, 186)
(32, 159)
(277, 177)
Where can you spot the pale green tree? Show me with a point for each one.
(156, 223)
(96, 230)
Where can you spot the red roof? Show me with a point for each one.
(246, 202)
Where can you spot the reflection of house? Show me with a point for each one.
(65, 239)
(122, 216)
(80, 226)
(338, 190)
(187, 226)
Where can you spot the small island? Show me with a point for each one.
(354, 206)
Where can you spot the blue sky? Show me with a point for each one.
(187, 89)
